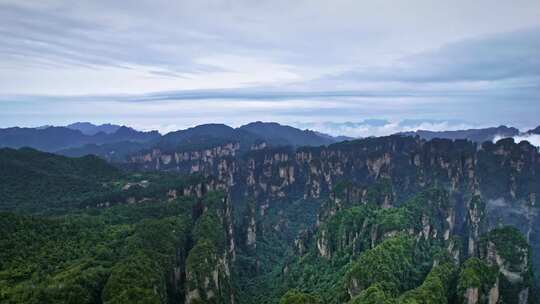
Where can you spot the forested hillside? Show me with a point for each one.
(380, 220)
(123, 254)
(37, 181)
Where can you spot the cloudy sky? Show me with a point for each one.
(354, 67)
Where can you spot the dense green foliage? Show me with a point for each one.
(43, 183)
(388, 265)
(510, 244)
(123, 254)
(207, 262)
(34, 181)
(296, 297)
(132, 253)
(349, 235)
(374, 294)
(476, 273)
(377, 255)
(514, 255)
(436, 288)
(81, 231)
(118, 253)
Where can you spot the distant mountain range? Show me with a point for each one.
(204, 136)
(534, 131)
(91, 129)
(274, 132)
(115, 142)
(475, 135)
(53, 139)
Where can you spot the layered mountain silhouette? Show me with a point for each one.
(92, 129)
(115, 143)
(274, 132)
(53, 139)
(534, 131)
(476, 135)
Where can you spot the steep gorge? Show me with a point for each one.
(380, 220)
(487, 186)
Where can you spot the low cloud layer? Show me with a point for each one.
(494, 57)
(533, 139)
(382, 127)
(157, 63)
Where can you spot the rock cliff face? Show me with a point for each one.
(504, 174)
(501, 271)
(191, 161)
(494, 170)
(487, 185)
(427, 217)
(209, 262)
(397, 219)
(508, 250)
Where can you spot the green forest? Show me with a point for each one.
(77, 230)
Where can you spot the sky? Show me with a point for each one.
(354, 68)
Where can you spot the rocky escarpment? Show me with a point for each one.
(385, 252)
(509, 251)
(428, 217)
(391, 242)
(494, 170)
(488, 184)
(476, 135)
(395, 219)
(209, 262)
(190, 161)
(500, 272)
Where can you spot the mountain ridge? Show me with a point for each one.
(53, 139)
(88, 128)
(477, 135)
(389, 216)
(106, 139)
(275, 132)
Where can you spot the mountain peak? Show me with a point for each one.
(287, 135)
(534, 131)
(89, 128)
(477, 135)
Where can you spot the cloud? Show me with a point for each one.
(181, 63)
(217, 44)
(382, 127)
(236, 107)
(533, 139)
(495, 57)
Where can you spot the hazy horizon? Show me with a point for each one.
(163, 66)
(360, 129)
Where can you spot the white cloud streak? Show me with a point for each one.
(231, 61)
(365, 129)
(533, 139)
